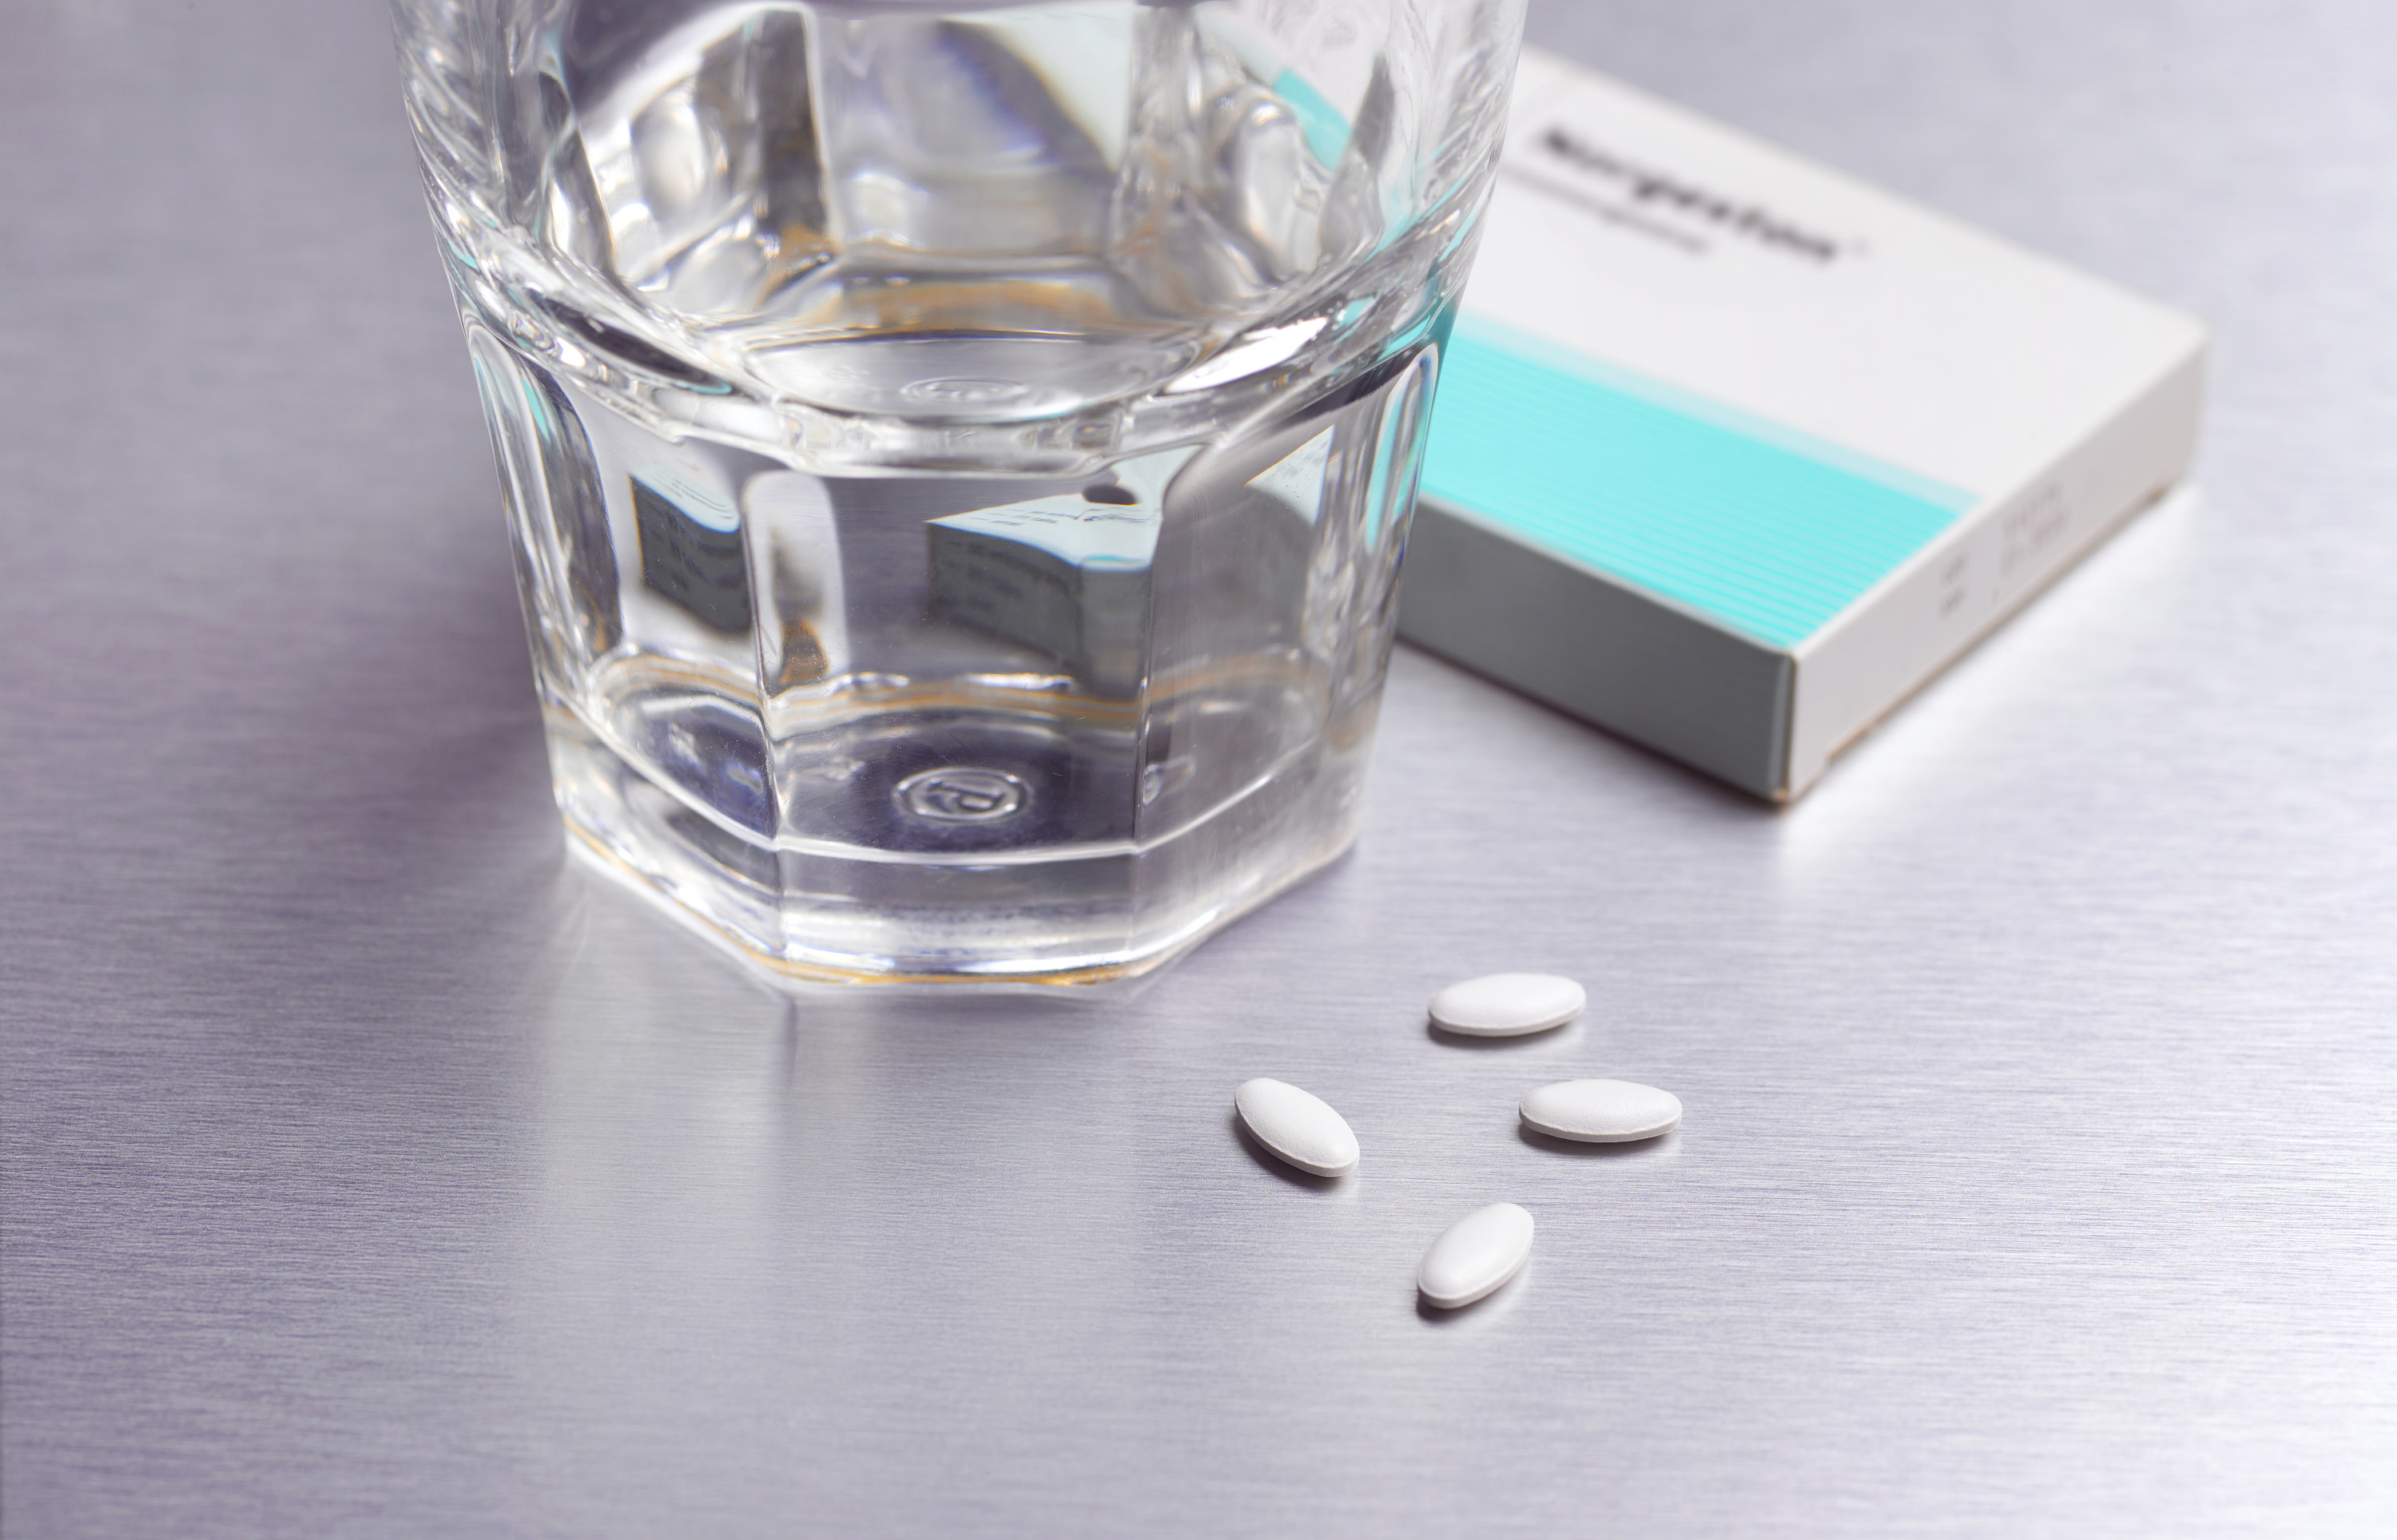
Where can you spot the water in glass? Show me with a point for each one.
(957, 456)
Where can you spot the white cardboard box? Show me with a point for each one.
(1733, 452)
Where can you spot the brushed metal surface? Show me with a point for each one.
(371, 1171)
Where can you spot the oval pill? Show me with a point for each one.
(1507, 1004)
(1301, 1129)
(1475, 1256)
(1602, 1111)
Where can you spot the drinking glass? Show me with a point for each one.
(958, 456)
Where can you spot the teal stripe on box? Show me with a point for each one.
(1765, 529)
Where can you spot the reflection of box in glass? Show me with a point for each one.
(1072, 577)
(1733, 453)
(1066, 576)
(690, 549)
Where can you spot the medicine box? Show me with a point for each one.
(1733, 453)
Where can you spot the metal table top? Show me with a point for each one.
(369, 1171)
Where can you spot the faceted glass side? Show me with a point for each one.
(882, 727)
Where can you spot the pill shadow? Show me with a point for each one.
(1582, 1149)
(1274, 1164)
(1490, 1307)
(1447, 1039)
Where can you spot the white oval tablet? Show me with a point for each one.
(1476, 1256)
(1301, 1129)
(1602, 1111)
(1507, 1004)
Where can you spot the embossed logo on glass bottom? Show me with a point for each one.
(965, 393)
(959, 795)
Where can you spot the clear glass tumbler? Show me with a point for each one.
(958, 455)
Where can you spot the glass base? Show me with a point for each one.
(812, 912)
